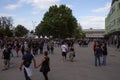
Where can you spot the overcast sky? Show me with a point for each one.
(89, 13)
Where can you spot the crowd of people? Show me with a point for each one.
(29, 48)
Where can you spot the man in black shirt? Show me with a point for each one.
(6, 57)
(26, 61)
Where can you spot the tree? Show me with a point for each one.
(20, 31)
(6, 22)
(78, 32)
(8, 32)
(58, 22)
(1, 32)
(6, 26)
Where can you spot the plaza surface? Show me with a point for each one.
(81, 69)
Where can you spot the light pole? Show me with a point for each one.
(33, 22)
(13, 31)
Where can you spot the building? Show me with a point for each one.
(94, 33)
(112, 23)
(30, 35)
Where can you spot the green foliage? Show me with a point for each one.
(6, 32)
(58, 22)
(20, 31)
(1, 32)
(5, 26)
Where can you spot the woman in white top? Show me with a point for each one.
(64, 49)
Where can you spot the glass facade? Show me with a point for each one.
(112, 22)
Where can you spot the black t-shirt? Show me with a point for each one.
(27, 59)
(6, 54)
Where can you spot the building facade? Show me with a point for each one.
(112, 23)
(94, 33)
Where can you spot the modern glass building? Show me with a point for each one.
(112, 23)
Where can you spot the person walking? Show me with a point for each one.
(71, 53)
(6, 57)
(45, 65)
(64, 50)
(118, 45)
(26, 61)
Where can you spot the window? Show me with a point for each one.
(112, 23)
(118, 20)
(119, 5)
(112, 10)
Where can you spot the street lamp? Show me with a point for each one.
(33, 22)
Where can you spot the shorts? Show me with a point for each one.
(63, 53)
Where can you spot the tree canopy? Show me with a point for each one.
(6, 26)
(20, 31)
(58, 22)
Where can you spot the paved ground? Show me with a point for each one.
(81, 69)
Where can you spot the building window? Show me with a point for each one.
(112, 23)
(118, 21)
(119, 5)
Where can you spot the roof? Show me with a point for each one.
(95, 30)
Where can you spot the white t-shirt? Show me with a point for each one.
(64, 48)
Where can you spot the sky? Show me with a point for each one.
(29, 13)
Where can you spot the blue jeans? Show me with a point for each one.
(104, 60)
(97, 60)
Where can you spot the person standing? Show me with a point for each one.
(48, 47)
(17, 48)
(94, 46)
(118, 45)
(104, 53)
(35, 47)
(71, 53)
(64, 50)
(97, 54)
(45, 65)
(52, 48)
(26, 61)
(41, 46)
(22, 48)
